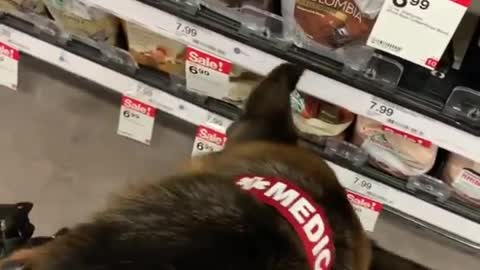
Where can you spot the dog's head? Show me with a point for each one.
(267, 115)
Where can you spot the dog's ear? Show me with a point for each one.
(267, 115)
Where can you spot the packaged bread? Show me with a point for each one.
(78, 17)
(331, 23)
(320, 119)
(393, 151)
(463, 175)
(35, 6)
(154, 50)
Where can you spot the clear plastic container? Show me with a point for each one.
(80, 18)
(430, 185)
(258, 17)
(35, 6)
(345, 150)
(464, 104)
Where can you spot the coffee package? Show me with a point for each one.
(331, 26)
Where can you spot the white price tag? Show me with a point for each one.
(207, 74)
(136, 120)
(186, 31)
(367, 210)
(218, 120)
(380, 108)
(363, 185)
(9, 58)
(208, 140)
(395, 116)
(433, 21)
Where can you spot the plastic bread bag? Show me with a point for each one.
(154, 50)
(319, 119)
(78, 17)
(331, 27)
(463, 175)
(393, 151)
(35, 6)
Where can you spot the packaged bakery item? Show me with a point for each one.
(331, 26)
(463, 175)
(241, 84)
(78, 17)
(393, 151)
(319, 119)
(154, 50)
(35, 6)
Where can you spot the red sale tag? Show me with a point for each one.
(136, 120)
(408, 136)
(207, 74)
(209, 61)
(210, 138)
(367, 209)
(9, 58)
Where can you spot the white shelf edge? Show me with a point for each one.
(320, 86)
(186, 111)
(410, 205)
(106, 77)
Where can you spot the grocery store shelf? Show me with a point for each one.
(199, 111)
(107, 77)
(408, 206)
(448, 136)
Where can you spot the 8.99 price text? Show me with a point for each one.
(422, 4)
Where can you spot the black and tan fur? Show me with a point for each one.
(198, 218)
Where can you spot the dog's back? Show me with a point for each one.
(201, 219)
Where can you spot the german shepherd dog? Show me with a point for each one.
(207, 216)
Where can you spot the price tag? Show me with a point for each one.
(186, 31)
(366, 186)
(395, 116)
(9, 58)
(207, 74)
(380, 108)
(136, 120)
(433, 21)
(367, 210)
(208, 139)
(219, 121)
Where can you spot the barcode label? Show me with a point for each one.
(386, 45)
(406, 127)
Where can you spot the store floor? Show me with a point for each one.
(59, 149)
